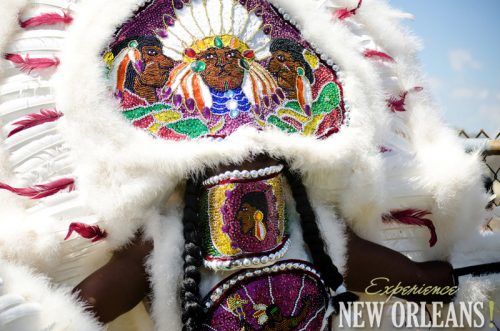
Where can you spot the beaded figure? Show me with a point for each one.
(223, 165)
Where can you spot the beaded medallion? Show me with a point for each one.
(186, 69)
(244, 222)
(289, 295)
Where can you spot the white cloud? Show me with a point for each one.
(470, 93)
(461, 59)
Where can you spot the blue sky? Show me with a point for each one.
(461, 58)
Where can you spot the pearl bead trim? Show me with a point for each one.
(285, 265)
(245, 174)
(248, 262)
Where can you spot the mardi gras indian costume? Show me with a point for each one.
(107, 109)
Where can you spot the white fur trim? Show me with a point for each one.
(59, 310)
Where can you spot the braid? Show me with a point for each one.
(192, 310)
(312, 237)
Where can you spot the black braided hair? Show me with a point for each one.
(192, 310)
(312, 237)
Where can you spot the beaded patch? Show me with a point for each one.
(244, 222)
(186, 69)
(289, 295)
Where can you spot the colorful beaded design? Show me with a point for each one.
(289, 295)
(185, 69)
(244, 222)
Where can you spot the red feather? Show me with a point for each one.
(344, 13)
(28, 64)
(398, 104)
(31, 120)
(43, 190)
(93, 232)
(47, 19)
(413, 217)
(373, 53)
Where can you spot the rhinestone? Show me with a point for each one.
(234, 113)
(225, 286)
(241, 277)
(249, 274)
(232, 282)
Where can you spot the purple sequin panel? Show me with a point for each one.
(248, 243)
(283, 300)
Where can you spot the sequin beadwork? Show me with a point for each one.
(204, 68)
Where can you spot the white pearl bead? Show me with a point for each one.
(246, 262)
(254, 174)
(255, 260)
(245, 173)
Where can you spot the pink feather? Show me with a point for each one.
(42, 190)
(31, 120)
(344, 13)
(413, 217)
(398, 104)
(28, 64)
(370, 53)
(47, 19)
(86, 231)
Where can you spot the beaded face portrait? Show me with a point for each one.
(244, 222)
(186, 69)
(287, 296)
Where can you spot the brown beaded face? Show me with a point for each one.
(223, 71)
(284, 67)
(157, 67)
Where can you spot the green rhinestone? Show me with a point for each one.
(244, 64)
(300, 71)
(133, 44)
(218, 42)
(198, 66)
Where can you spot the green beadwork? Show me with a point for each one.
(300, 71)
(198, 66)
(133, 44)
(276, 121)
(192, 127)
(328, 100)
(139, 112)
(244, 64)
(218, 42)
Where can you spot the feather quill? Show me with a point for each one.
(42, 190)
(47, 19)
(28, 64)
(31, 120)
(86, 231)
(371, 53)
(344, 13)
(412, 217)
(397, 104)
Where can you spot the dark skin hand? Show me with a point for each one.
(367, 261)
(120, 285)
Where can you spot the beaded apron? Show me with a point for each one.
(289, 295)
(243, 217)
(186, 69)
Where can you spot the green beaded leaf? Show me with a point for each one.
(328, 99)
(139, 112)
(276, 121)
(192, 127)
